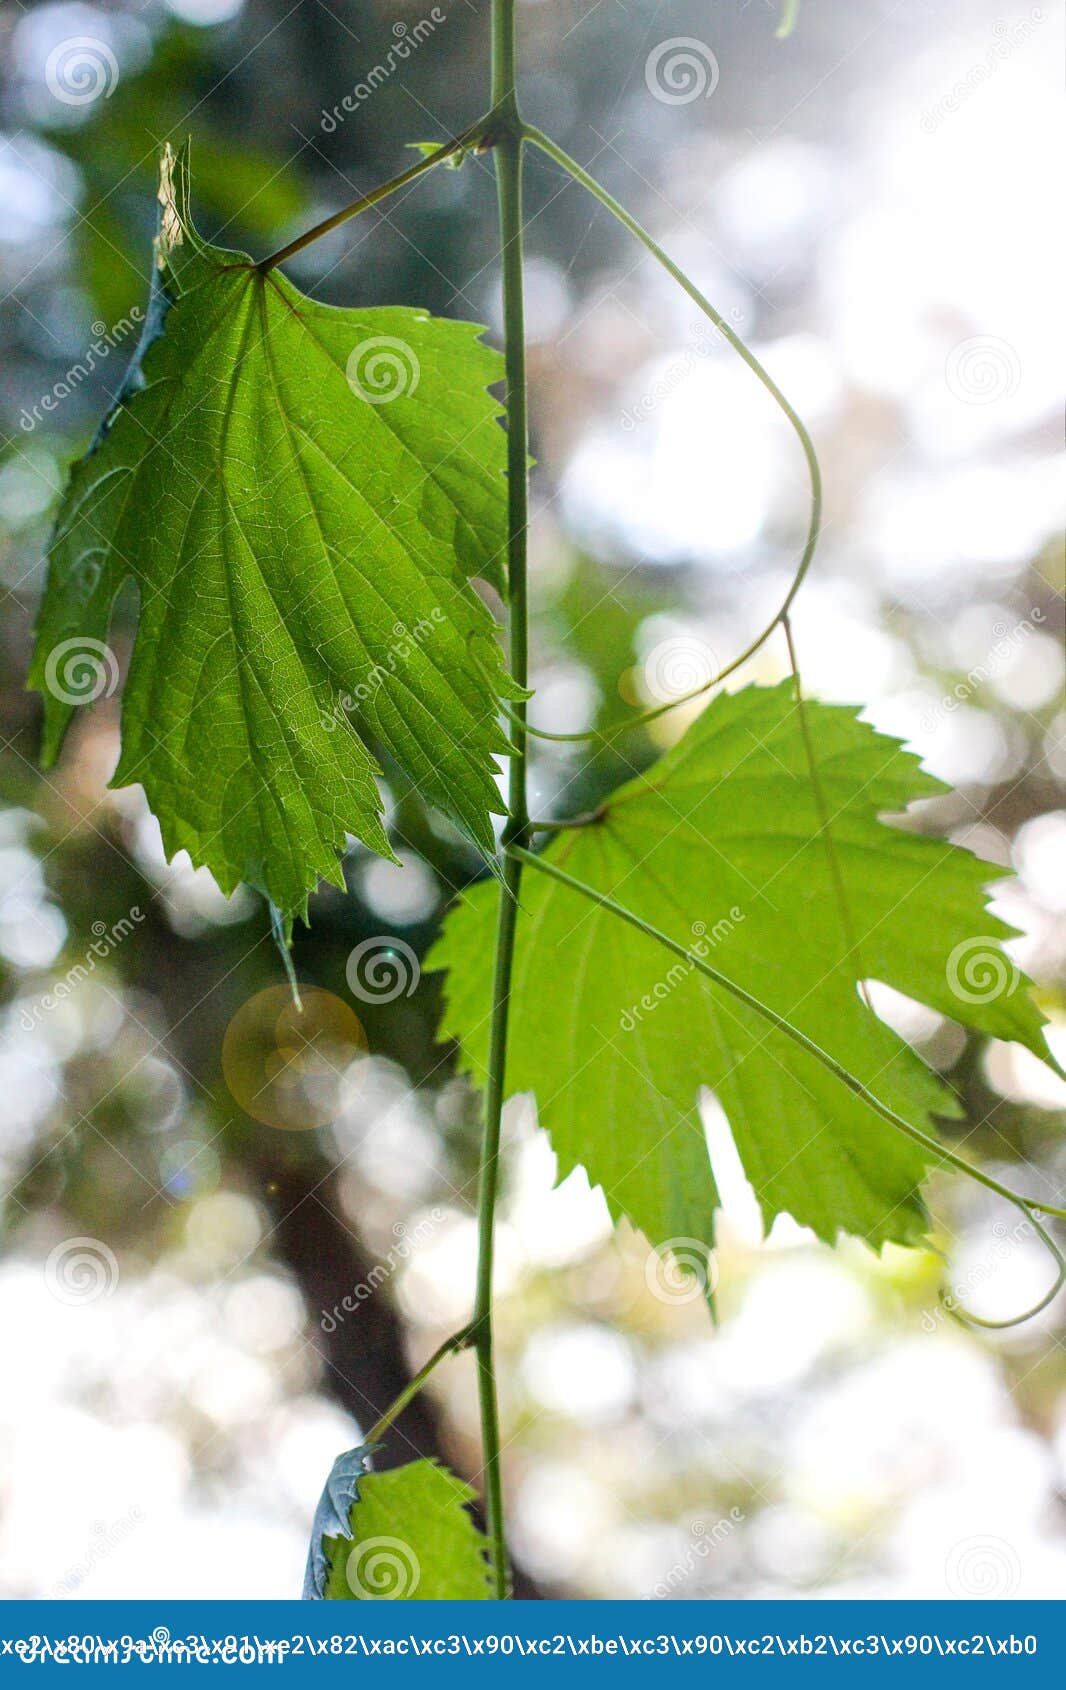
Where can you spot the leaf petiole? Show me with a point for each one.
(458, 1341)
(467, 142)
(588, 819)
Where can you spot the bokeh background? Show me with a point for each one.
(870, 201)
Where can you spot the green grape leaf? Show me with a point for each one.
(302, 495)
(719, 845)
(412, 1539)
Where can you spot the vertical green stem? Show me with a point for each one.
(507, 138)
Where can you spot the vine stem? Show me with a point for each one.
(507, 141)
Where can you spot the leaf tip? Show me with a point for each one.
(174, 197)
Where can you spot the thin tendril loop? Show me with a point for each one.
(617, 210)
(789, 14)
(952, 1306)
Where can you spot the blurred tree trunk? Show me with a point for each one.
(366, 1366)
